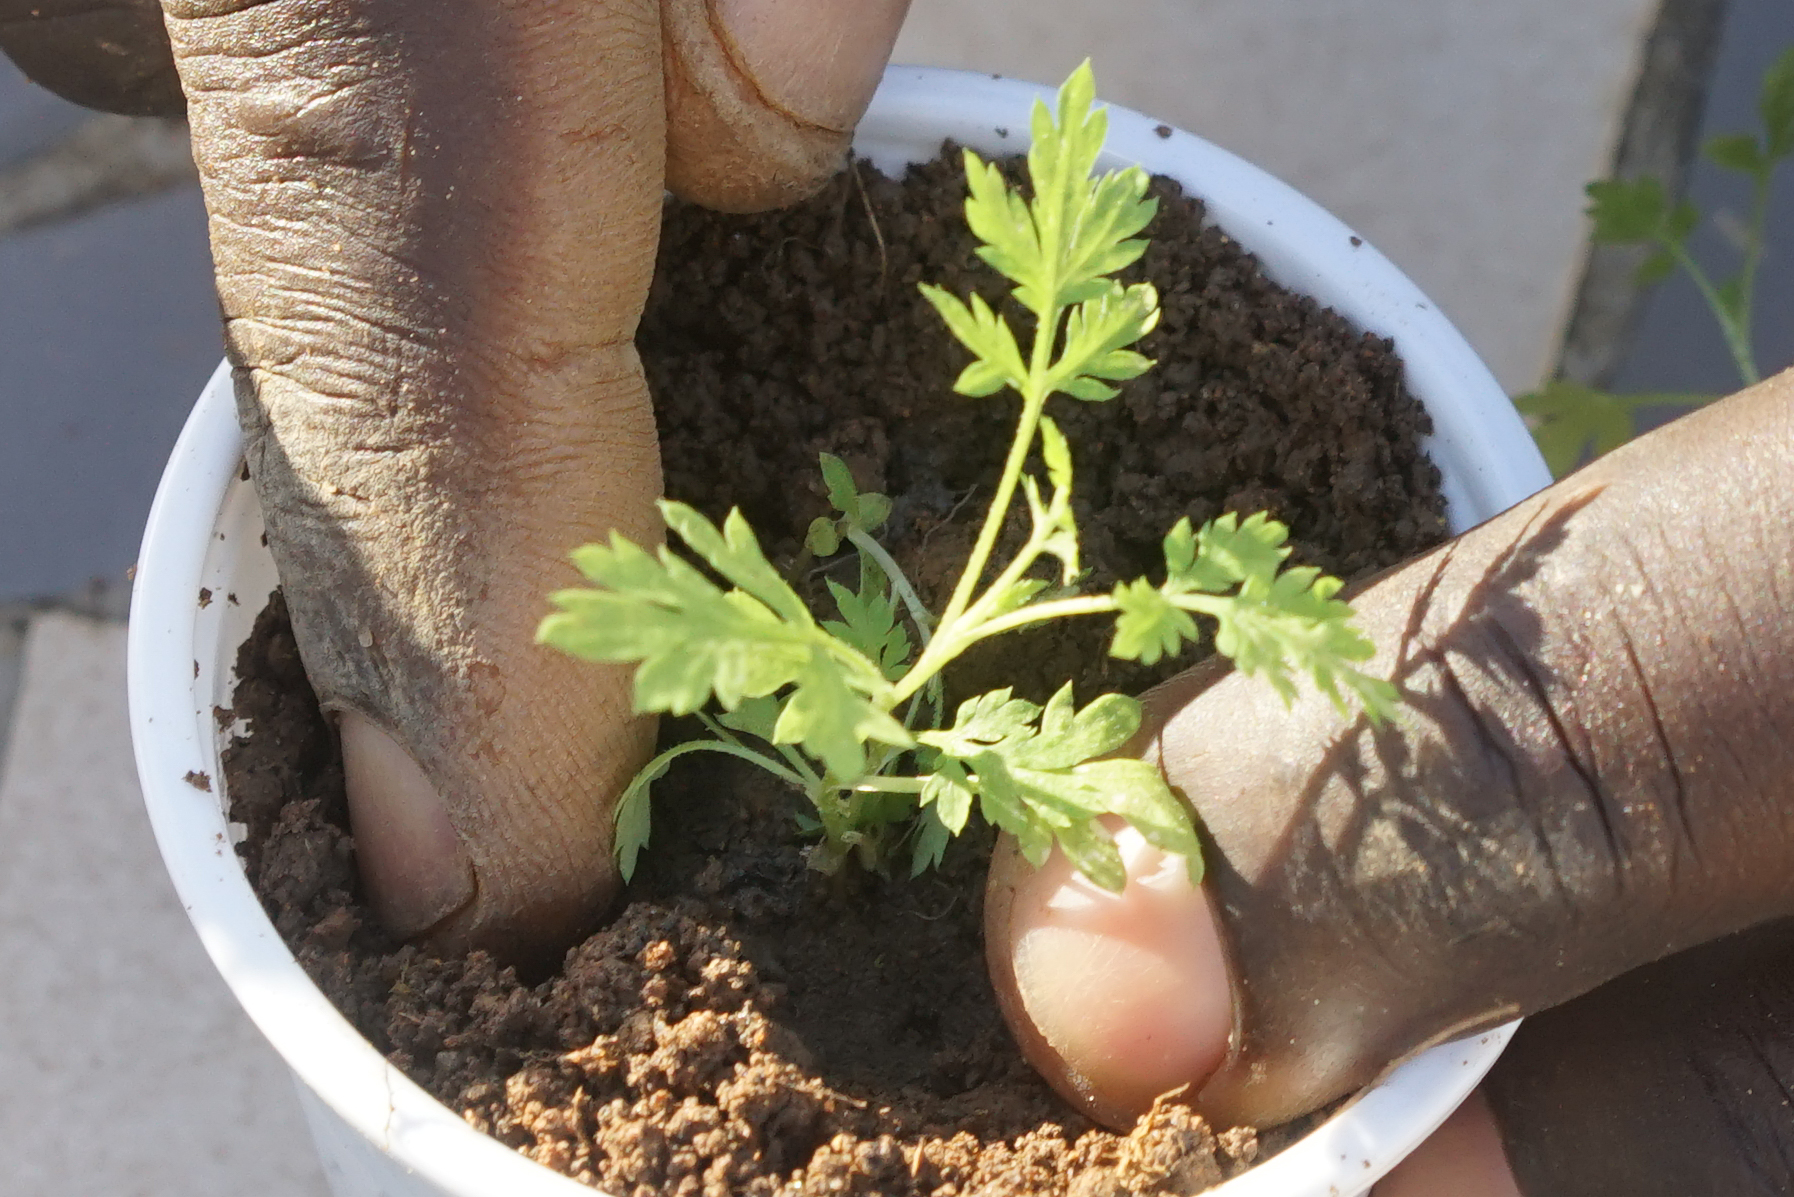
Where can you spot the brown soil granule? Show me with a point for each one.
(745, 1025)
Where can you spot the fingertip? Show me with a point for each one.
(415, 869)
(819, 60)
(1116, 998)
(1463, 1158)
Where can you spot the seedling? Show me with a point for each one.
(1572, 419)
(849, 710)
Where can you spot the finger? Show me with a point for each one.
(1116, 998)
(1463, 1158)
(1600, 700)
(434, 228)
(1591, 771)
(112, 55)
(763, 95)
(1673, 1079)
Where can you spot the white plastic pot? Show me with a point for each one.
(379, 1134)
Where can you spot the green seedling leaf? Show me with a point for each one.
(1037, 774)
(1148, 625)
(932, 837)
(999, 360)
(1055, 451)
(1736, 151)
(869, 623)
(1637, 212)
(633, 819)
(825, 692)
(735, 554)
(1096, 335)
(1069, 737)
(838, 479)
(823, 538)
(1775, 104)
(864, 512)
(993, 718)
(754, 716)
(947, 792)
(1626, 211)
(1092, 851)
(1572, 422)
(833, 721)
(875, 509)
(1230, 553)
(1055, 529)
(694, 640)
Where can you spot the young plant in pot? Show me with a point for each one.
(849, 710)
(387, 1111)
(368, 987)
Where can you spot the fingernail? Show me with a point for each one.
(1129, 989)
(413, 865)
(819, 60)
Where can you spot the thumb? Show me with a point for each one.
(1591, 771)
(434, 230)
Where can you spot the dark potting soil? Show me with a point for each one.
(745, 1025)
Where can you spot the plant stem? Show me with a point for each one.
(731, 748)
(1090, 604)
(1737, 339)
(1034, 399)
(874, 784)
(1747, 273)
(918, 613)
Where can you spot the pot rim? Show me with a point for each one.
(1488, 458)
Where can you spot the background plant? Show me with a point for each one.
(849, 710)
(1572, 420)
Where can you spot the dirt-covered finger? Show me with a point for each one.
(434, 229)
(1673, 1079)
(763, 95)
(1592, 769)
(107, 54)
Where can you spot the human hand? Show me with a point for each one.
(434, 228)
(1592, 772)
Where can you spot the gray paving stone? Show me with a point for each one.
(1455, 135)
(108, 329)
(129, 1069)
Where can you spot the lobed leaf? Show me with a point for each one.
(1097, 333)
(864, 511)
(1002, 221)
(1295, 626)
(932, 837)
(1148, 626)
(980, 722)
(999, 359)
(1227, 553)
(633, 818)
(1070, 737)
(947, 791)
(1036, 774)
(869, 624)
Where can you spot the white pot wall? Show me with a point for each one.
(380, 1135)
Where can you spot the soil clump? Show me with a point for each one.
(745, 1025)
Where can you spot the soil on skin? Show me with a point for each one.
(745, 1025)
